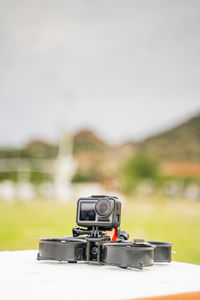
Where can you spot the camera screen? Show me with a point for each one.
(87, 212)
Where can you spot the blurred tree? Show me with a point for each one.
(136, 169)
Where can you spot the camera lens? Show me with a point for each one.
(103, 207)
(94, 250)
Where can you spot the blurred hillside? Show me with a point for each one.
(34, 149)
(181, 143)
(177, 150)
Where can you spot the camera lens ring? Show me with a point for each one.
(103, 207)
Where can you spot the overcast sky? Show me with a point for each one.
(125, 69)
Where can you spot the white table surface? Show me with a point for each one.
(23, 277)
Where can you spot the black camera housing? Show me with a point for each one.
(99, 211)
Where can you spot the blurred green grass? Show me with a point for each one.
(177, 221)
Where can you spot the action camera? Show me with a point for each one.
(99, 211)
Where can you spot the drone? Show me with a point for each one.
(97, 215)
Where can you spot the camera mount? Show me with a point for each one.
(92, 244)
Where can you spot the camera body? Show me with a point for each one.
(99, 211)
